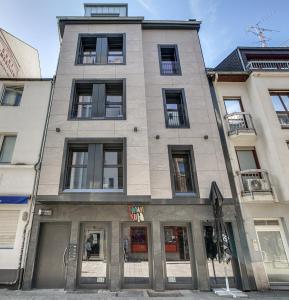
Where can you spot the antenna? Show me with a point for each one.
(260, 33)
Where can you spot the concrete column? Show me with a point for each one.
(157, 257)
(73, 252)
(200, 256)
(115, 258)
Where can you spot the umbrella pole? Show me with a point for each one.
(226, 278)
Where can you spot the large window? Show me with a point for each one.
(101, 49)
(7, 144)
(182, 170)
(281, 105)
(175, 109)
(98, 100)
(11, 95)
(94, 167)
(169, 60)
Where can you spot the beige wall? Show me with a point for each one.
(138, 180)
(208, 153)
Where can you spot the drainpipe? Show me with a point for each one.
(37, 168)
(250, 282)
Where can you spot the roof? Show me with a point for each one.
(146, 24)
(25, 79)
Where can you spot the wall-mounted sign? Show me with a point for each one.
(136, 213)
(8, 61)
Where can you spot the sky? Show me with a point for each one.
(224, 26)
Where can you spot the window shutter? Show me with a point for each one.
(8, 227)
(101, 50)
(98, 95)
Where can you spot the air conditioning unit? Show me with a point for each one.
(258, 185)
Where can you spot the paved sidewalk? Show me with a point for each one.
(129, 295)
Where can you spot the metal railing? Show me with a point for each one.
(283, 118)
(268, 65)
(89, 59)
(239, 122)
(176, 119)
(254, 181)
(170, 67)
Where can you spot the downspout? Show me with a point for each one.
(37, 168)
(249, 284)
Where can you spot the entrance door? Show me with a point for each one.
(93, 256)
(53, 244)
(177, 255)
(274, 250)
(136, 255)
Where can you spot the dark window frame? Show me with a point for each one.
(73, 98)
(181, 91)
(5, 87)
(100, 35)
(175, 47)
(2, 137)
(286, 111)
(188, 149)
(239, 99)
(254, 152)
(96, 163)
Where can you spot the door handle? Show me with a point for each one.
(64, 256)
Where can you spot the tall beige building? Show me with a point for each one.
(17, 58)
(131, 151)
(252, 94)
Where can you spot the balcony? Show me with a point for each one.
(255, 185)
(241, 129)
(170, 68)
(176, 120)
(272, 65)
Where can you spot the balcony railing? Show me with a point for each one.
(170, 67)
(254, 181)
(283, 118)
(268, 65)
(90, 59)
(239, 122)
(176, 119)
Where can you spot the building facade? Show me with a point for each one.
(131, 151)
(23, 110)
(17, 58)
(251, 90)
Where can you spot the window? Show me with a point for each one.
(139, 240)
(175, 109)
(183, 173)
(7, 144)
(281, 105)
(169, 60)
(8, 228)
(233, 105)
(98, 100)
(11, 95)
(101, 49)
(94, 167)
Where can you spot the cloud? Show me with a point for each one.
(148, 5)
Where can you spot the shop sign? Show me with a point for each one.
(136, 213)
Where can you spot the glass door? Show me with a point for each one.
(177, 255)
(275, 253)
(136, 269)
(93, 255)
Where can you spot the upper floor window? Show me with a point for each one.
(175, 109)
(169, 60)
(182, 170)
(98, 100)
(7, 144)
(101, 49)
(280, 102)
(11, 95)
(94, 167)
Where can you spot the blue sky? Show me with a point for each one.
(224, 22)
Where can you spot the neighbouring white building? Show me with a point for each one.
(252, 92)
(17, 58)
(23, 110)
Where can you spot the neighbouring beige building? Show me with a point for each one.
(17, 58)
(252, 92)
(23, 111)
(131, 151)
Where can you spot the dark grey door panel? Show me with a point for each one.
(51, 255)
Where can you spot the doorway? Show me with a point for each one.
(50, 269)
(136, 255)
(93, 256)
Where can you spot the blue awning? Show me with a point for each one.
(14, 199)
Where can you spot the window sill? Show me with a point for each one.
(105, 191)
(13, 166)
(96, 119)
(114, 64)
